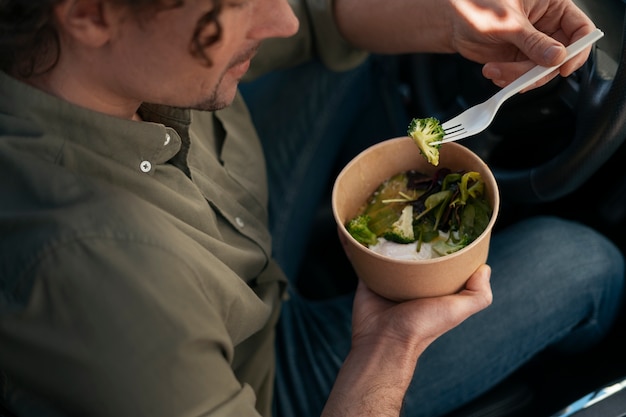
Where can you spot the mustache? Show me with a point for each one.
(246, 55)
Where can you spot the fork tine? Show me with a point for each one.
(453, 129)
(452, 123)
(451, 137)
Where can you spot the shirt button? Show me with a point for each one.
(145, 166)
(239, 222)
(167, 139)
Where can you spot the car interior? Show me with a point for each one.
(555, 150)
(559, 149)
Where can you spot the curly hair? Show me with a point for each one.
(29, 41)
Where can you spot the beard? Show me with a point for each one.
(213, 102)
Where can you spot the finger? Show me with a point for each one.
(573, 64)
(478, 285)
(504, 73)
(540, 48)
(476, 296)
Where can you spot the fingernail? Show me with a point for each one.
(493, 73)
(552, 53)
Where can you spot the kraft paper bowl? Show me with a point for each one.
(408, 279)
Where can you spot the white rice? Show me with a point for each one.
(407, 251)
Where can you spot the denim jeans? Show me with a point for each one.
(556, 283)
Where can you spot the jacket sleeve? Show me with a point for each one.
(318, 37)
(116, 328)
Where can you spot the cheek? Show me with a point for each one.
(152, 50)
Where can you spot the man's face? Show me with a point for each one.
(158, 66)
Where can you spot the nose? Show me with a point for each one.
(276, 19)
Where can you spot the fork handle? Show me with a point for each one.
(539, 71)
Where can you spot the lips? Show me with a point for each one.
(240, 69)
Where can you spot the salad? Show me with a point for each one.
(432, 215)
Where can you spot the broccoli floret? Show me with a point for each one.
(424, 132)
(401, 230)
(359, 230)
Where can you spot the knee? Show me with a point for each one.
(552, 243)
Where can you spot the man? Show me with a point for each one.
(137, 275)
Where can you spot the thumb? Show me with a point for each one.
(540, 48)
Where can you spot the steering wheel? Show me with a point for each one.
(594, 129)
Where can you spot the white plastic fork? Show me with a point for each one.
(477, 118)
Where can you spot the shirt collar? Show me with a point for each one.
(139, 145)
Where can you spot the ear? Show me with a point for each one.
(84, 20)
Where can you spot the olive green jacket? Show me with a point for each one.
(136, 276)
